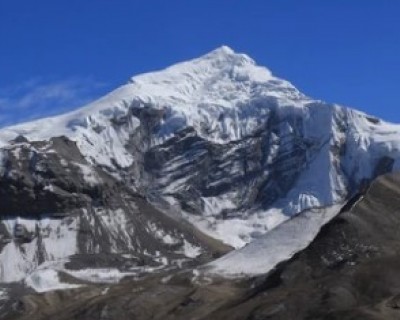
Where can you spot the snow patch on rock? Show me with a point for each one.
(280, 244)
(43, 280)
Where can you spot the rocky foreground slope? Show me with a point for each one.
(350, 271)
(173, 170)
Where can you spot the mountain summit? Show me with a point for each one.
(177, 167)
(221, 79)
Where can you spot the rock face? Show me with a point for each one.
(163, 169)
(56, 205)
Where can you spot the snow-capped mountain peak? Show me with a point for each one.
(223, 50)
(217, 141)
(212, 77)
(215, 62)
(219, 83)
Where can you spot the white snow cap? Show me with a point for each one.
(192, 90)
(187, 78)
(220, 59)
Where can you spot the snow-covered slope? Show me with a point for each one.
(217, 141)
(278, 245)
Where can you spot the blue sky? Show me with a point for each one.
(58, 55)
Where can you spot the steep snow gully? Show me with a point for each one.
(177, 164)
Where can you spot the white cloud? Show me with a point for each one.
(40, 97)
